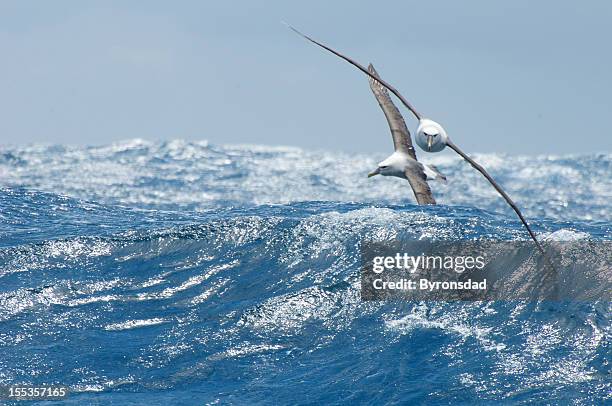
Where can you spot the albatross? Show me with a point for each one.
(403, 162)
(432, 137)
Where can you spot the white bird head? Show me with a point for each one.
(394, 165)
(430, 136)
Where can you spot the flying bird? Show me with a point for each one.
(432, 137)
(403, 162)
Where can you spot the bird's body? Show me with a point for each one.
(398, 163)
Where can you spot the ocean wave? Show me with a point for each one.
(201, 176)
(169, 268)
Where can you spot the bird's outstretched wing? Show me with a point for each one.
(417, 179)
(397, 125)
(401, 140)
(473, 163)
(361, 68)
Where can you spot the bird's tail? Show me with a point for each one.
(433, 173)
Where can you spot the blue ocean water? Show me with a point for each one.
(188, 273)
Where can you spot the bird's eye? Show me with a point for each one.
(384, 167)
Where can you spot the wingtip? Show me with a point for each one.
(292, 28)
(373, 72)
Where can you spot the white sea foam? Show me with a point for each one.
(202, 176)
(566, 235)
(130, 324)
(246, 350)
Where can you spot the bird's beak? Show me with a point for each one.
(429, 142)
(374, 172)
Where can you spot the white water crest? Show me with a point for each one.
(197, 175)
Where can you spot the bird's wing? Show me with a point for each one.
(417, 179)
(401, 140)
(449, 143)
(361, 68)
(397, 125)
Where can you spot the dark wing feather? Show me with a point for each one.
(397, 125)
(418, 183)
(503, 194)
(361, 68)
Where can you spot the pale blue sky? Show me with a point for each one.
(512, 76)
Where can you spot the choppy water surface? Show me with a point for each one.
(188, 273)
